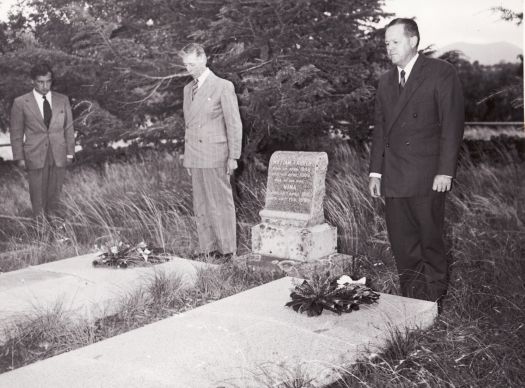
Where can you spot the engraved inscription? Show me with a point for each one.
(290, 185)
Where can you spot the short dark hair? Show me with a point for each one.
(193, 48)
(41, 69)
(410, 25)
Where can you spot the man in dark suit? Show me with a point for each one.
(419, 120)
(43, 139)
(212, 145)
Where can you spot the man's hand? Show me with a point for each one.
(188, 170)
(21, 163)
(374, 185)
(231, 165)
(442, 183)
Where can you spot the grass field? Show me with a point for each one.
(479, 340)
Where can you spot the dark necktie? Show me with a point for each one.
(194, 88)
(402, 81)
(47, 112)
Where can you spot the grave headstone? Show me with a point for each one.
(292, 221)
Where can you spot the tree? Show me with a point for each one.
(302, 69)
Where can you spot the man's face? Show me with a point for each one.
(195, 65)
(42, 83)
(400, 47)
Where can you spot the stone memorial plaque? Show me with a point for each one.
(290, 185)
(292, 221)
(296, 187)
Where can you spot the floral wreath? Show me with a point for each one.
(338, 294)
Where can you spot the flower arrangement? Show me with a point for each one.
(121, 255)
(338, 294)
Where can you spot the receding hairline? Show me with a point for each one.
(192, 48)
(410, 27)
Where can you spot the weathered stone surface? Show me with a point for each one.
(295, 189)
(229, 343)
(336, 264)
(82, 290)
(294, 243)
(292, 221)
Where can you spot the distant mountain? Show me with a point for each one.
(486, 54)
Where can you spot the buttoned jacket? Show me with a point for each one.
(213, 128)
(30, 138)
(418, 130)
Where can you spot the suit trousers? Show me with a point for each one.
(45, 185)
(415, 228)
(214, 210)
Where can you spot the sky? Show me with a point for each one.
(441, 22)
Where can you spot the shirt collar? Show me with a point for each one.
(203, 77)
(408, 67)
(38, 96)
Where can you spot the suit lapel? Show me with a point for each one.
(33, 107)
(200, 97)
(55, 104)
(413, 83)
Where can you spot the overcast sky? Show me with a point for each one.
(441, 22)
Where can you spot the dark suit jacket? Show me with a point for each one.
(417, 133)
(213, 124)
(30, 138)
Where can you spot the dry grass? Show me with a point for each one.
(479, 341)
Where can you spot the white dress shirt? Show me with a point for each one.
(203, 77)
(40, 100)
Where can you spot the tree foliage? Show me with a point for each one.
(301, 69)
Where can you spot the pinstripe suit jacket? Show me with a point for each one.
(213, 124)
(27, 121)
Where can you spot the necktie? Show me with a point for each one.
(402, 80)
(47, 112)
(194, 88)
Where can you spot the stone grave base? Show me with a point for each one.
(248, 340)
(336, 263)
(294, 243)
(84, 292)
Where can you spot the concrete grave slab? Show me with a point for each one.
(82, 290)
(234, 342)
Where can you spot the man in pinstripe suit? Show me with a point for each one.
(212, 146)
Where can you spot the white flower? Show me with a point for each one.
(147, 251)
(345, 280)
(142, 244)
(114, 250)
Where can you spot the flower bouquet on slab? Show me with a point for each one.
(340, 294)
(122, 255)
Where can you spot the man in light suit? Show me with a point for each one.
(43, 139)
(212, 146)
(419, 120)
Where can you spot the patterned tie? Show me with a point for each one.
(402, 82)
(194, 88)
(47, 112)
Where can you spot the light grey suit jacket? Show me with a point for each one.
(30, 138)
(213, 124)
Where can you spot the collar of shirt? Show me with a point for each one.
(40, 100)
(408, 68)
(203, 77)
